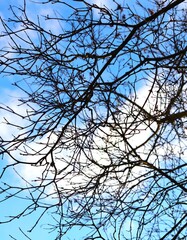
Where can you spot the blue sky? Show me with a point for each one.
(9, 96)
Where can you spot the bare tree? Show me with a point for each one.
(104, 119)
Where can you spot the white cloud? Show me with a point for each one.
(31, 173)
(137, 137)
(10, 102)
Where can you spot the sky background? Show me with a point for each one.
(9, 96)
